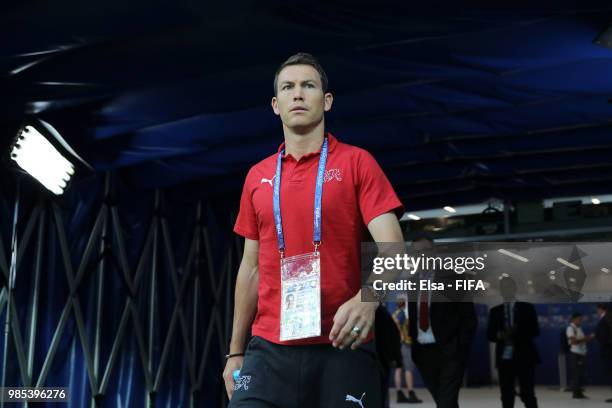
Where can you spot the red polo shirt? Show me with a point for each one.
(355, 191)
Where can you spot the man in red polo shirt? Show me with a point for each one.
(304, 212)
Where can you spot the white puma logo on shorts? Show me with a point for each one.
(355, 400)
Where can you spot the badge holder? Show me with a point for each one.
(300, 315)
(508, 352)
(301, 296)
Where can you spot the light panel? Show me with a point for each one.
(37, 156)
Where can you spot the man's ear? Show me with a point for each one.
(329, 100)
(274, 104)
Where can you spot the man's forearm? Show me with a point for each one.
(245, 306)
(387, 234)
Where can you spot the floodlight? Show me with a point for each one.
(41, 152)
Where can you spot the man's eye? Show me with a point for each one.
(285, 87)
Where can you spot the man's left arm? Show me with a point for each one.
(355, 312)
(493, 326)
(602, 333)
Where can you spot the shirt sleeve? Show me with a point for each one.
(394, 316)
(375, 193)
(246, 222)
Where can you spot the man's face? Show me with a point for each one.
(423, 245)
(300, 101)
(507, 289)
(578, 321)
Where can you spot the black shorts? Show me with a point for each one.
(310, 376)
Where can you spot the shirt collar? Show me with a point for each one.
(331, 145)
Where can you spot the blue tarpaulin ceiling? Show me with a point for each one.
(459, 101)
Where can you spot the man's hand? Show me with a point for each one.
(233, 364)
(353, 313)
(245, 307)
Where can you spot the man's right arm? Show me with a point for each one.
(245, 297)
(570, 333)
(245, 307)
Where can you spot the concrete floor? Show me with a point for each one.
(488, 397)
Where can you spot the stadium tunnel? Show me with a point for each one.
(123, 286)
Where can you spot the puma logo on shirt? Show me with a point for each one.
(269, 181)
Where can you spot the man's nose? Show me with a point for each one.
(297, 93)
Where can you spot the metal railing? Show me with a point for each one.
(202, 292)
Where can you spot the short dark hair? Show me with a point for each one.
(576, 315)
(602, 306)
(302, 58)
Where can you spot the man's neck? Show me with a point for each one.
(299, 144)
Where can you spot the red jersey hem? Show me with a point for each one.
(246, 234)
(398, 210)
(301, 342)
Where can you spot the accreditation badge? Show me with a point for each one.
(508, 352)
(300, 296)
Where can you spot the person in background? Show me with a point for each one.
(513, 326)
(442, 334)
(577, 356)
(387, 349)
(401, 321)
(603, 334)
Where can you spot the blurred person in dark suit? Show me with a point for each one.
(442, 334)
(387, 349)
(603, 334)
(513, 326)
